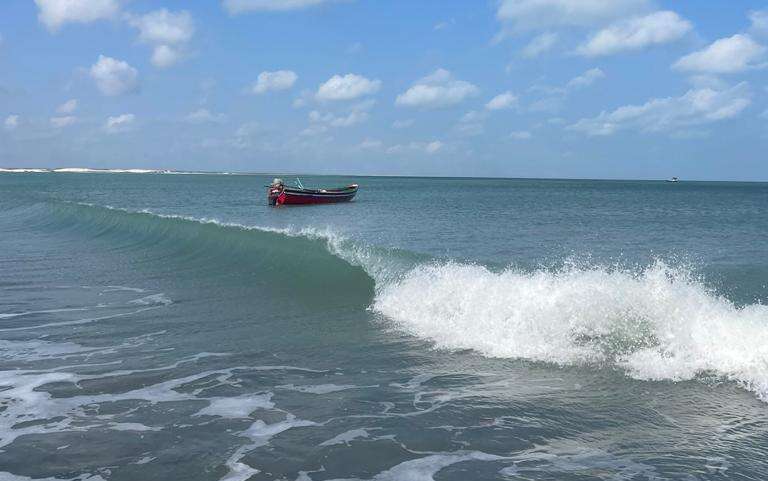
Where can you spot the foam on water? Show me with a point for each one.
(425, 468)
(36, 349)
(260, 434)
(566, 457)
(6, 476)
(151, 302)
(237, 407)
(346, 437)
(11, 315)
(658, 323)
(322, 388)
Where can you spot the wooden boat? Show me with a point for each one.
(279, 194)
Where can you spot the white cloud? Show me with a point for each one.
(433, 147)
(63, 121)
(202, 116)
(235, 7)
(522, 15)
(444, 24)
(11, 122)
(554, 97)
(540, 44)
(355, 48)
(164, 27)
(759, 20)
(67, 107)
(164, 56)
(370, 144)
(402, 124)
(168, 32)
(274, 81)
(727, 55)
(347, 87)
(248, 135)
(314, 129)
(671, 114)
(423, 147)
(56, 13)
(471, 123)
(353, 118)
(502, 101)
(520, 135)
(586, 79)
(322, 122)
(114, 77)
(120, 123)
(701, 81)
(473, 116)
(636, 33)
(436, 90)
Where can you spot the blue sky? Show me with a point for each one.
(518, 88)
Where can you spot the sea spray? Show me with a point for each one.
(660, 323)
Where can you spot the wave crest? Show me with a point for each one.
(658, 324)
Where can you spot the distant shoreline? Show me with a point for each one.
(88, 170)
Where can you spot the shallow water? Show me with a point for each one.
(175, 327)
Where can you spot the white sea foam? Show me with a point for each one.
(25, 400)
(36, 349)
(424, 469)
(568, 456)
(322, 388)
(151, 302)
(6, 476)
(154, 299)
(11, 315)
(346, 437)
(260, 434)
(659, 323)
(131, 427)
(236, 407)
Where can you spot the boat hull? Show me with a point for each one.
(289, 196)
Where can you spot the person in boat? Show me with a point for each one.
(277, 192)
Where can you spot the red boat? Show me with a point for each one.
(279, 194)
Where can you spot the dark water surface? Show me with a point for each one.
(158, 327)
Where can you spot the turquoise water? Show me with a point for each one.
(176, 327)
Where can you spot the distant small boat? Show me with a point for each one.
(673, 179)
(279, 194)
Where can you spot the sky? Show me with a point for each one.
(634, 89)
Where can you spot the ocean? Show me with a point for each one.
(164, 327)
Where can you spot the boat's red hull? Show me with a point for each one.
(291, 196)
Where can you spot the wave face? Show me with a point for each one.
(654, 323)
(285, 263)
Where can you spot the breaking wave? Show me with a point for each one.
(657, 322)
(660, 323)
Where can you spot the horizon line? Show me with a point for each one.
(148, 170)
